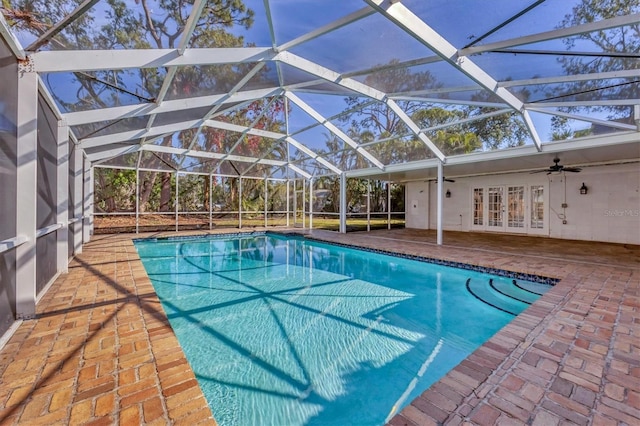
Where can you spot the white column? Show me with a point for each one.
(137, 200)
(239, 203)
(26, 190)
(368, 205)
(439, 204)
(62, 198)
(389, 205)
(92, 192)
(288, 202)
(295, 204)
(311, 203)
(210, 202)
(86, 201)
(266, 201)
(343, 203)
(77, 168)
(176, 200)
(304, 205)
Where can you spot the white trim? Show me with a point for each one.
(606, 123)
(66, 21)
(48, 230)
(329, 75)
(138, 110)
(95, 60)
(333, 129)
(604, 24)
(205, 154)
(11, 243)
(4, 338)
(299, 171)
(11, 40)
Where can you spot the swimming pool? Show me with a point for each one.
(288, 331)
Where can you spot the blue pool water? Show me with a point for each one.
(286, 331)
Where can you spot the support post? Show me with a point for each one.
(388, 204)
(266, 202)
(177, 203)
(26, 190)
(210, 201)
(368, 205)
(311, 203)
(240, 203)
(77, 169)
(92, 193)
(304, 205)
(343, 203)
(137, 200)
(295, 204)
(288, 201)
(439, 205)
(86, 201)
(62, 198)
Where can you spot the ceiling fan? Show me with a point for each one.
(557, 168)
(443, 178)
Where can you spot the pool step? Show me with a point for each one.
(499, 299)
(511, 291)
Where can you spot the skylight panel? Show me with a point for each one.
(287, 15)
(82, 91)
(368, 42)
(461, 22)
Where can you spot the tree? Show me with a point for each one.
(115, 190)
(620, 40)
(154, 24)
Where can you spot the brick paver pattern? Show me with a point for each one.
(101, 350)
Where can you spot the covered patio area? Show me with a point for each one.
(101, 351)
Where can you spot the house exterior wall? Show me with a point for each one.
(609, 212)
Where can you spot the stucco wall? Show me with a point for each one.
(609, 212)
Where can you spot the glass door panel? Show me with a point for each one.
(478, 206)
(537, 207)
(496, 207)
(515, 207)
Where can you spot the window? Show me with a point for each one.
(478, 206)
(537, 207)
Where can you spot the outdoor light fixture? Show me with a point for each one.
(583, 189)
(448, 193)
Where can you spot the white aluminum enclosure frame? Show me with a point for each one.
(437, 49)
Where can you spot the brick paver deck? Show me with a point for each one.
(101, 350)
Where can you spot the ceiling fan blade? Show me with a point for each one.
(572, 169)
(449, 180)
(540, 171)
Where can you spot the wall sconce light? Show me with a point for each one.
(448, 193)
(583, 189)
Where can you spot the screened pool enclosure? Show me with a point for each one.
(288, 113)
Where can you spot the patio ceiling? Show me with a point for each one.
(301, 87)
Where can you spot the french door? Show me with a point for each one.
(503, 209)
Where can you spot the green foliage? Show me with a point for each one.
(623, 39)
(374, 121)
(115, 190)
